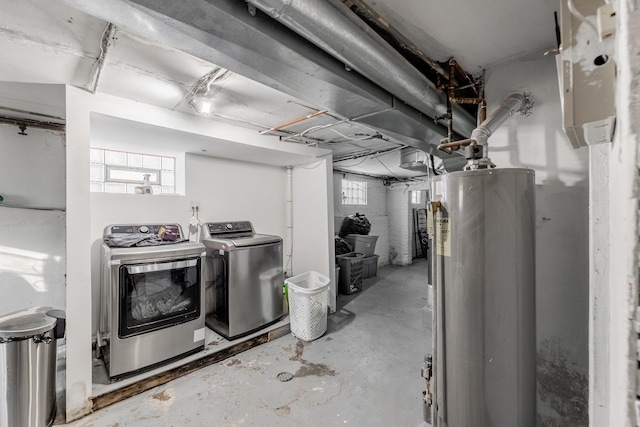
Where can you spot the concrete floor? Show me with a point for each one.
(365, 371)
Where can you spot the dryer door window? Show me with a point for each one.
(157, 295)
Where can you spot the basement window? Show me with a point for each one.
(121, 172)
(416, 198)
(354, 192)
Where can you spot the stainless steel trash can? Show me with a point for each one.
(28, 341)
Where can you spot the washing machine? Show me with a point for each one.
(243, 277)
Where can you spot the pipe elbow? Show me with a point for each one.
(481, 134)
(515, 102)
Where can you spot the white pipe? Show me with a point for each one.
(510, 106)
(289, 223)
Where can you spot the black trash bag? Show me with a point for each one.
(355, 224)
(342, 246)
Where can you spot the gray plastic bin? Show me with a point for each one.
(350, 273)
(28, 341)
(370, 266)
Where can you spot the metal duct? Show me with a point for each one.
(332, 26)
(258, 47)
(412, 159)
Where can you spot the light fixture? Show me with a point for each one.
(202, 104)
(201, 96)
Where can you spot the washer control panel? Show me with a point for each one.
(231, 227)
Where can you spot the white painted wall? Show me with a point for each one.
(599, 285)
(79, 313)
(32, 174)
(623, 239)
(538, 142)
(375, 211)
(234, 190)
(313, 227)
(32, 242)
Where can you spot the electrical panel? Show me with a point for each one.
(586, 72)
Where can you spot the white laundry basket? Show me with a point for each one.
(308, 301)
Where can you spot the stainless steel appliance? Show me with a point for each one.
(484, 318)
(243, 278)
(28, 341)
(152, 303)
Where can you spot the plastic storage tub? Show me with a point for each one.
(308, 301)
(362, 244)
(350, 273)
(370, 266)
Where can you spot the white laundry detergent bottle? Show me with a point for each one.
(145, 188)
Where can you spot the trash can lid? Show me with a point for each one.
(26, 323)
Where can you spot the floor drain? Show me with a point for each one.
(285, 376)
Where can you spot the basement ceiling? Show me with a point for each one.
(317, 102)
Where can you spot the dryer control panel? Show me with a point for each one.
(143, 229)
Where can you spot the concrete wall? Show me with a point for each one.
(32, 175)
(623, 239)
(537, 141)
(375, 210)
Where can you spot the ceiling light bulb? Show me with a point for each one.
(205, 106)
(202, 104)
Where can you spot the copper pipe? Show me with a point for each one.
(483, 111)
(293, 122)
(450, 96)
(463, 73)
(451, 146)
(467, 100)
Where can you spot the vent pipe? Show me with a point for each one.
(508, 108)
(331, 25)
(476, 147)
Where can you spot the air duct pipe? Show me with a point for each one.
(330, 25)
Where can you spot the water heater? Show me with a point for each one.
(484, 299)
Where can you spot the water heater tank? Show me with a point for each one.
(484, 316)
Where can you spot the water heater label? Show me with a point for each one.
(443, 237)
